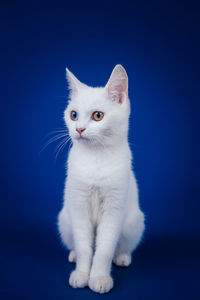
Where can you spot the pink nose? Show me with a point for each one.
(80, 130)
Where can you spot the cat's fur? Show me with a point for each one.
(100, 221)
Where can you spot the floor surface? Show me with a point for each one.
(34, 266)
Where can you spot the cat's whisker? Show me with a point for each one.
(65, 139)
(57, 131)
(61, 146)
(53, 139)
(70, 146)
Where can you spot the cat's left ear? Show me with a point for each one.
(117, 85)
(74, 83)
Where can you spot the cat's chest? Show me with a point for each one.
(95, 205)
(93, 169)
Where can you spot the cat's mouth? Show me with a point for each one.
(85, 139)
(82, 138)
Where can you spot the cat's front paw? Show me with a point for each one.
(122, 259)
(78, 279)
(101, 284)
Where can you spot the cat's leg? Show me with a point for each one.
(130, 237)
(108, 232)
(83, 241)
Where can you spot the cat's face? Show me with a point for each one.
(98, 116)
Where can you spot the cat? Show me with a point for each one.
(101, 221)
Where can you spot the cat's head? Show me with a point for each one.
(98, 116)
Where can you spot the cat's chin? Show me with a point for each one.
(83, 140)
(86, 141)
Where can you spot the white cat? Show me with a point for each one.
(100, 221)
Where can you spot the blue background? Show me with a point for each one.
(158, 44)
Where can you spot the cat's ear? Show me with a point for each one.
(117, 85)
(74, 83)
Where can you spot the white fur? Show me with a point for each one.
(100, 221)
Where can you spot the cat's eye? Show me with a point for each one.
(97, 115)
(74, 115)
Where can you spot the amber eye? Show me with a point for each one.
(97, 115)
(74, 115)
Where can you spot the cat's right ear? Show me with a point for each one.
(74, 83)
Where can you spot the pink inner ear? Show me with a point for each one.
(117, 86)
(116, 92)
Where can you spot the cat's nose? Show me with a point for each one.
(80, 130)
